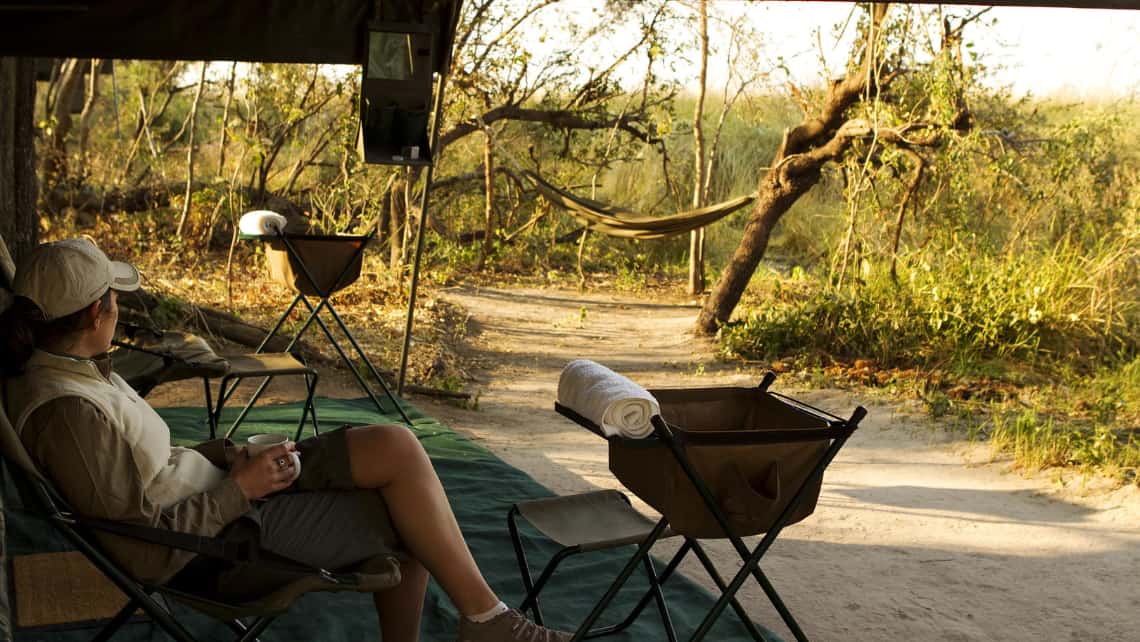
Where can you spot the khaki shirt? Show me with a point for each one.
(72, 442)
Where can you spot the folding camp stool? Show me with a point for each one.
(266, 365)
(151, 357)
(723, 463)
(318, 266)
(583, 523)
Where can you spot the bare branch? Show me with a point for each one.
(557, 118)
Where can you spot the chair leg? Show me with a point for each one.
(368, 362)
(659, 597)
(166, 621)
(250, 633)
(213, 423)
(654, 593)
(524, 567)
(280, 322)
(710, 568)
(117, 622)
(313, 404)
(531, 600)
(248, 406)
(642, 552)
(751, 567)
(309, 409)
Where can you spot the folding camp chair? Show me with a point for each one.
(721, 463)
(42, 499)
(147, 357)
(318, 266)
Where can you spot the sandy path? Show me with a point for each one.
(911, 540)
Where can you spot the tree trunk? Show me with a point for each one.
(149, 135)
(190, 152)
(19, 220)
(395, 220)
(773, 202)
(55, 152)
(489, 207)
(697, 237)
(88, 110)
(225, 120)
(796, 168)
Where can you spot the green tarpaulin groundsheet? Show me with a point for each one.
(481, 488)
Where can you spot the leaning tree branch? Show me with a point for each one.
(556, 118)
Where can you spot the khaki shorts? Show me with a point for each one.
(322, 520)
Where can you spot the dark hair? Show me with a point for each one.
(22, 330)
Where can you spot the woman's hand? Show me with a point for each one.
(234, 453)
(265, 473)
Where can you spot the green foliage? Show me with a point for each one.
(963, 310)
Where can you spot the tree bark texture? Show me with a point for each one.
(19, 221)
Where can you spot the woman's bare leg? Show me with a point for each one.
(391, 459)
(401, 606)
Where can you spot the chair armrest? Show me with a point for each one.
(216, 547)
(201, 544)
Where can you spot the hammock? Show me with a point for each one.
(620, 222)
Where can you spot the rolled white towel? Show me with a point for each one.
(618, 405)
(261, 223)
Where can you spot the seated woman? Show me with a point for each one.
(362, 491)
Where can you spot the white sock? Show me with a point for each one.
(487, 616)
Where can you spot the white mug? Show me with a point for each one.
(258, 444)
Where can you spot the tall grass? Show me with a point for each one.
(958, 310)
(1038, 441)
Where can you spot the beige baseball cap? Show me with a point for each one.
(64, 277)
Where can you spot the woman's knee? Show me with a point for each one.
(389, 446)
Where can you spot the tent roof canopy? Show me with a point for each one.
(297, 31)
(293, 31)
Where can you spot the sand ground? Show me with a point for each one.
(918, 535)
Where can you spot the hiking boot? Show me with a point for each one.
(509, 626)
